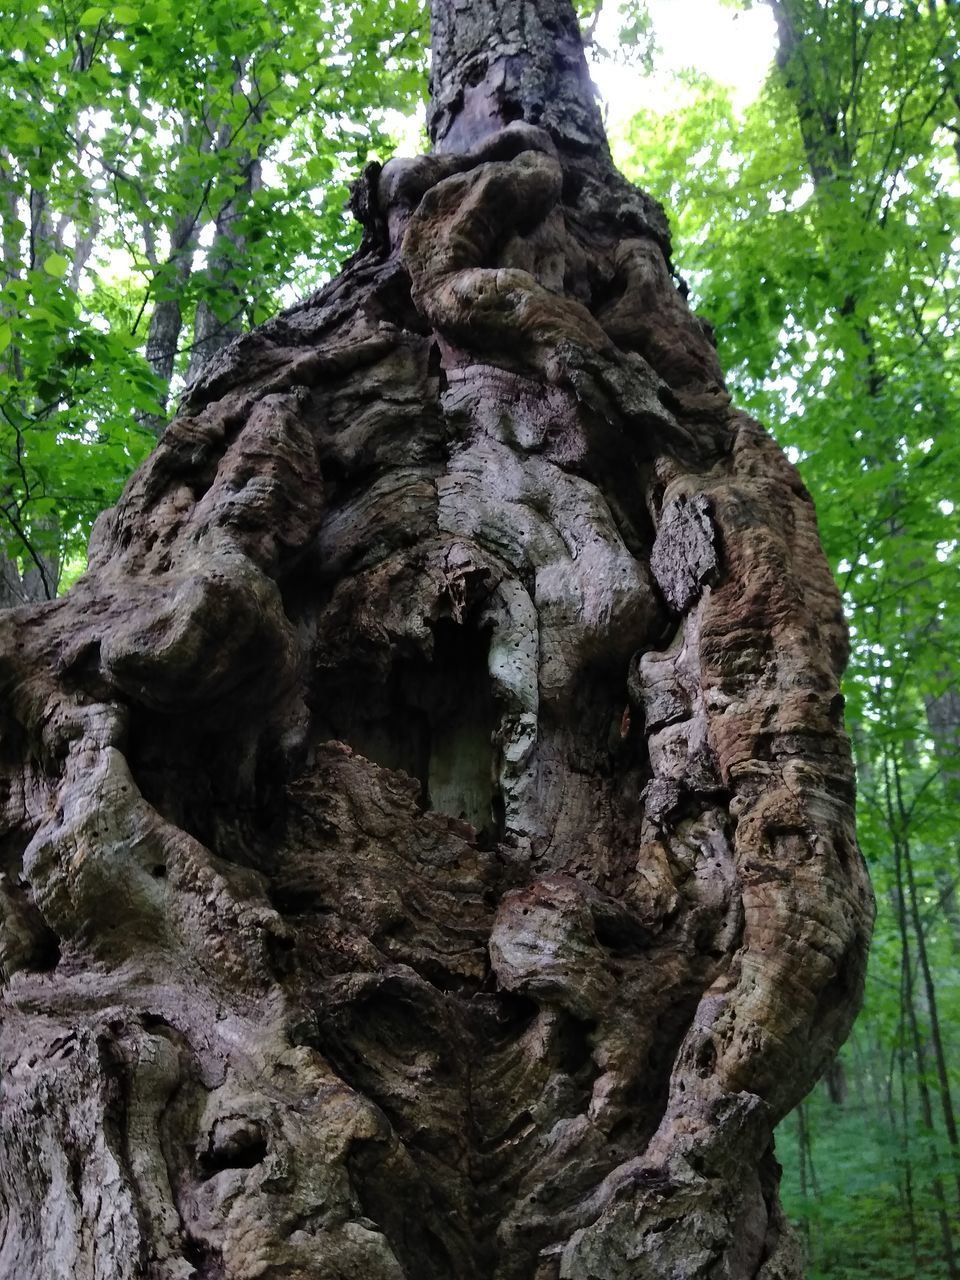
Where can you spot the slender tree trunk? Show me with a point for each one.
(29, 553)
(166, 319)
(936, 1036)
(836, 1078)
(919, 1048)
(904, 1154)
(216, 325)
(429, 835)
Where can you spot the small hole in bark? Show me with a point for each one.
(334, 471)
(575, 1046)
(572, 185)
(435, 367)
(280, 951)
(153, 1021)
(236, 1144)
(623, 937)
(48, 954)
(514, 1015)
(474, 71)
(206, 1261)
(706, 1059)
(485, 841)
(623, 1127)
(393, 301)
(159, 871)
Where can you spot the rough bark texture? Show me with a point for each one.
(428, 838)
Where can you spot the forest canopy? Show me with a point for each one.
(170, 181)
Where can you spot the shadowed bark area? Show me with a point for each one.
(428, 838)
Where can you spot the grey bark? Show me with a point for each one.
(429, 837)
(490, 68)
(166, 319)
(29, 560)
(215, 326)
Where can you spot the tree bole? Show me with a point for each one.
(428, 826)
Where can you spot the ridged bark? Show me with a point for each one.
(428, 827)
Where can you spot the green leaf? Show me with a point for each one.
(56, 265)
(26, 134)
(5, 336)
(125, 13)
(90, 17)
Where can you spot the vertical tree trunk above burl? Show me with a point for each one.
(428, 827)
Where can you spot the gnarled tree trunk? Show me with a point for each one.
(428, 835)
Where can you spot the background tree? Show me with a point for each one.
(428, 833)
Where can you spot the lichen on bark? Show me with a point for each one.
(428, 833)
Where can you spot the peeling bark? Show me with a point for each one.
(428, 827)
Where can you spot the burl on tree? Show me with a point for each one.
(428, 844)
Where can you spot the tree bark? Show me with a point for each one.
(428, 827)
(216, 325)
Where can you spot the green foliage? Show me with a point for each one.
(153, 162)
(632, 34)
(865, 1204)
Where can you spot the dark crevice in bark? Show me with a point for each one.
(434, 718)
(206, 1261)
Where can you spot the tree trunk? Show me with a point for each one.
(217, 323)
(428, 826)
